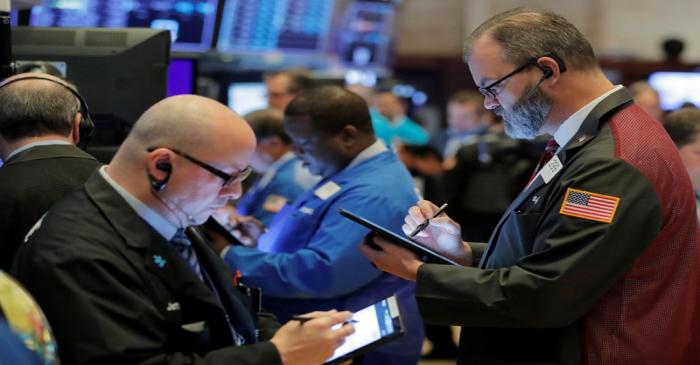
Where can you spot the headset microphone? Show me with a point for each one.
(158, 186)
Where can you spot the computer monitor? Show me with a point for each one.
(676, 88)
(366, 33)
(191, 22)
(120, 72)
(245, 97)
(182, 76)
(268, 25)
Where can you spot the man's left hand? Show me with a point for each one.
(393, 259)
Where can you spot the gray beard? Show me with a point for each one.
(527, 116)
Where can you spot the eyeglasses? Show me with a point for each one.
(228, 178)
(488, 90)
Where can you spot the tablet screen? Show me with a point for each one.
(374, 325)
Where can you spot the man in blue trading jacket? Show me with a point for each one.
(308, 259)
(283, 176)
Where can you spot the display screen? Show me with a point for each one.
(265, 25)
(190, 22)
(372, 324)
(181, 76)
(676, 88)
(245, 97)
(366, 33)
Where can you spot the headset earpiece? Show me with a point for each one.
(547, 73)
(159, 185)
(165, 166)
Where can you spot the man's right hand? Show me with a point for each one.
(248, 230)
(442, 235)
(314, 341)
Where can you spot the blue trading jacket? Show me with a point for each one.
(309, 259)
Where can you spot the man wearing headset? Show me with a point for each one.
(596, 260)
(41, 120)
(124, 277)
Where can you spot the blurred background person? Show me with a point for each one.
(392, 125)
(647, 98)
(283, 177)
(684, 128)
(466, 118)
(282, 86)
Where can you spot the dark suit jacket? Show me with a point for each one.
(30, 182)
(554, 288)
(115, 292)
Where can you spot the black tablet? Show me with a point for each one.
(215, 226)
(374, 325)
(425, 254)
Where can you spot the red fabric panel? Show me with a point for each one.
(650, 314)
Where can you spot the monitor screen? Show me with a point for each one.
(245, 97)
(676, 88)
(265, 25)
(14, 18)
(181, 76)
(366, 33)
(191, 22)
(119, 72)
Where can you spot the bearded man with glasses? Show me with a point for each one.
(596, 261)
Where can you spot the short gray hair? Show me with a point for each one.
(32, 108)
(527, 33)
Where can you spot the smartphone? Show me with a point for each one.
(218, 228)
(374, 325)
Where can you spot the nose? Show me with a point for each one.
(491, 102)
(233, 191)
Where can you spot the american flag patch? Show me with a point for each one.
(587, 205)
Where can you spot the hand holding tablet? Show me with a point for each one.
(424, 253)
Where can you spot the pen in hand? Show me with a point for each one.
(304, 319)
(425, 223)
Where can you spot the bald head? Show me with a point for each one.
(34, 107)
(184, 158)
(191, 123)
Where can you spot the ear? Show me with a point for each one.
(156, 159)
(550, 70)
(75, 128)
(349, 136)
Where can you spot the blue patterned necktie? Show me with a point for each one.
(184, 248)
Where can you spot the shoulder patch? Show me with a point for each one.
(588, 205)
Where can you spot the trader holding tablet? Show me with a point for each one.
(596, 261)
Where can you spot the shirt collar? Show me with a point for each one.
(571, 125)
(153, 218)
(376, 148)
(36, 144)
